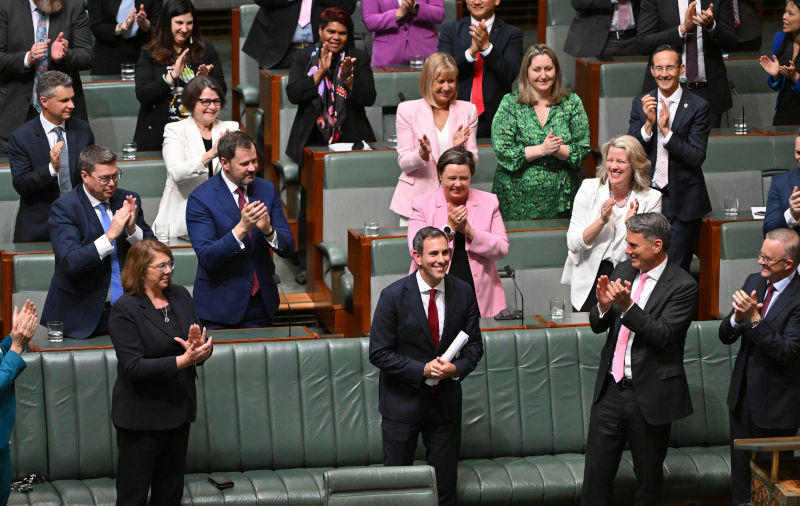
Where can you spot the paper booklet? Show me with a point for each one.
(458, 343)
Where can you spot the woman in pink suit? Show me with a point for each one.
(471, 218)
(427, 127)
(401, 28)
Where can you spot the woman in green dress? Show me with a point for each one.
(540, 136)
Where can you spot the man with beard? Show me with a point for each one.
(35, 36)
(234, 220)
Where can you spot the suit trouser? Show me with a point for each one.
(684, 233)
(442, 438)
(152, 460)
(616, 420)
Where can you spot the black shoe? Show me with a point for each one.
(300, 278)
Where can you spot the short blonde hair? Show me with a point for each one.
(437, 64)
(526, 95)
(637, 158)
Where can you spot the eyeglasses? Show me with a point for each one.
(767, 260)
(163, 266)
(104, 180)
(668, 68)
(205, 102)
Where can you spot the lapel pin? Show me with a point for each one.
(685, 105)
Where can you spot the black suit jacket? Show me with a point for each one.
(658, 24)
(687, 152)
(589, 29)
(111, 50)
(150, 392)
(81, 279)
(273, 28)
(400, 345)
(29, 156)
(662, 391)
(17, 37)
(154, 95)
(302, 91)
(769, 358)
(500, 68)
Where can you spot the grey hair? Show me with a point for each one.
(49, 81)
(790, 241)
(652, 226)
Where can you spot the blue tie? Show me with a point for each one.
(116, 284)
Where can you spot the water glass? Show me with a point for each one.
(371, 228)
(391, 139)
(128, 71)
(557, 309)
(55, 331)
(129, 151)
(739, 125)
(731, 205)
(416, 61)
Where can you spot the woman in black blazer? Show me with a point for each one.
(116, 40)
(154, 400)
(166, 64)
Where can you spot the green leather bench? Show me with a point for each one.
(9, 202)
(112, 109)
(275, 416)
(739, 243)
(147, 178)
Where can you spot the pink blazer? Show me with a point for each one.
(489, 245)
(392, 42)
(418, 177)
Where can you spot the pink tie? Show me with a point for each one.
(618, 364)
(305, 13)
(624, 14)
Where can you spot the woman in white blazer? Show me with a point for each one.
(190, 152)
(596, 235)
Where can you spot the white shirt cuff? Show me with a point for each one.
(668, 137)
(52, 170)
(790, 221)
(25, 60)
(734, 324)
(138, 235)
(274, 242)
(645, 137)
(241, 244)
(104, 246)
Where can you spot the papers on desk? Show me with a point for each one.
(758, 212)
(347, 146)
(458, 343)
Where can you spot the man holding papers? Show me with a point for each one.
(416, 321)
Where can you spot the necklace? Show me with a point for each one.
(164, 310)
(624, 202)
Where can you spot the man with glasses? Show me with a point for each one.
(91, 228)
(672, 126)
(764, 396)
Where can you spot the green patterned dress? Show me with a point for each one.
(545, 187)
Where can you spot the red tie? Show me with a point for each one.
(433, 318)
(242, 202)
(477, 84)
(767, 299)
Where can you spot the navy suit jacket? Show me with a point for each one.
(400, 345)
(778, 199)
(662, 392)
(687, 152)
(500, 68)
(769, 358)
(224, 270)
(29, 157)
(81, 279)
(589, 29)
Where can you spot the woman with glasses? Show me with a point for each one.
(158, 342)
(190, 152)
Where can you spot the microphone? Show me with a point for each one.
(401, 96)
(277, 280)
(517, 314)
(738, 127)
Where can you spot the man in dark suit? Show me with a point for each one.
(278, 31)
(764, 397)
(704, 29)
(91, 228)
(603, 28)
(66, 45)
(43, 154)
(234, 220)
(641, 386)
(783, 200)
(407, 346)
(672, 125)
(488, 52)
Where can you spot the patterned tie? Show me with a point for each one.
(242, 202)
(618, 364)
(477, 84)
(691, 53)
(41, 65)
(661, 175)
(624, 14)
(116, 283)
(433, 318)
(125, 6)
(736, 19)
(767, 299)
(305, 13)
(64, 183)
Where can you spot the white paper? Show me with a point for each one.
(452, 350)
(758, 212)
(347, 146)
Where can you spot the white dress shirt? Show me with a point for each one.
(683, 6)
(232, 187)
(425, 293)
(484, 53)
(673, 109)
(103, 245)
(52, 138)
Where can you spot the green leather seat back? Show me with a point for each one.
(9, 202)
(755, 96)
(619, 83)
(733, 167)
(31, 280)
(113, 109)
(147, 178)
(739, 243)
(248, 67)
(185, 267)
(559, 16)
(390, 262)
(28, 442)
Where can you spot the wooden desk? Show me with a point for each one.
(569, 320)
(708, 251)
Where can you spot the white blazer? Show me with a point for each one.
(583, 260)
(183, 153)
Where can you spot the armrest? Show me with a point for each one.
(337, 258)
(288, 170)
(346, 289)
(371, 485)
(249, 94)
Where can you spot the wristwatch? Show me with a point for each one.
(755, 323)
(449, 231)
(415, 9)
